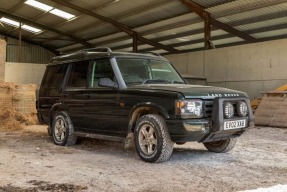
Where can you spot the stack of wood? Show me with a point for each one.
(272, 109)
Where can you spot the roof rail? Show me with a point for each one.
(98, 49)
(152, 53)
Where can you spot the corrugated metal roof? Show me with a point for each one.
(168, 22)
(9, 4)
(211, 3)
(258, 25)
(166, 10)
(92, 4)
(273, 33)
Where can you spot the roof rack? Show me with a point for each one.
(152, 53)
(98, 49)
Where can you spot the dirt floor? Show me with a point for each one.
(29, 161)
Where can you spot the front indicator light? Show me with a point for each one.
(190, 108)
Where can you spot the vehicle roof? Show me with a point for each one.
(95, 53)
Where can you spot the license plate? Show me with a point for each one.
(234, 124)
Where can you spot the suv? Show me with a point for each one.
(107, 95)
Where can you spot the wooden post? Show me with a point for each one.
(20, 43)
(207, 31)
(3, 45)
(135, 44)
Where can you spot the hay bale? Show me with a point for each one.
(18, 106)
(24, 99)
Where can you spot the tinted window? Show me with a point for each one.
(53, 78)
(78, 75)
(100, 69)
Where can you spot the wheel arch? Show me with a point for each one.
(57, 107)
(142, 109)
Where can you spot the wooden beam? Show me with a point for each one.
(233, 31)
(119, 25)
(200, 11)
(44, 27)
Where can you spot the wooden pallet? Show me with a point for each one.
(278, 92)
(272, 110)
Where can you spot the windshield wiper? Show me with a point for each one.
(134, 83)
(155, 81)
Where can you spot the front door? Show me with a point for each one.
(102, 103)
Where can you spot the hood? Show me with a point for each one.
(193, 91)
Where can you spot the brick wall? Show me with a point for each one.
(2, 59)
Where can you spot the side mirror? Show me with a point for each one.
(107, 82)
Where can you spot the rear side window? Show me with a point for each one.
(78, 75)
(53, 77)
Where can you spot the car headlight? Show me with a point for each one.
(242, 109)
(190, 108)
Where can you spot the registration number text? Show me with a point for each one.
(234, 124)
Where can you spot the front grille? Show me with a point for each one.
(208, 106)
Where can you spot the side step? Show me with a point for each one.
(97, 136)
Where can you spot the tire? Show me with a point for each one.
(152, 140)
(221, 146)
(63, 129)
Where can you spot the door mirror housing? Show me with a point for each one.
(107, 82)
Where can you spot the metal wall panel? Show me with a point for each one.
(30, 53)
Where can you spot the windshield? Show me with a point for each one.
(147, 71)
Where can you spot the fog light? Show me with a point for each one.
(242, 109)
(228, 110)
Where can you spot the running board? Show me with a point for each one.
(97, 136)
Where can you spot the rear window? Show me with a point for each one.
(78, 75)
(54, 76)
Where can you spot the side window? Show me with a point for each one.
(100, 69)
(78, 75)
(53, 79)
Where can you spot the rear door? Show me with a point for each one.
(74, 94)
(50, 89)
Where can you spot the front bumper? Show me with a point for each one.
(207, 130)
(200, 130)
